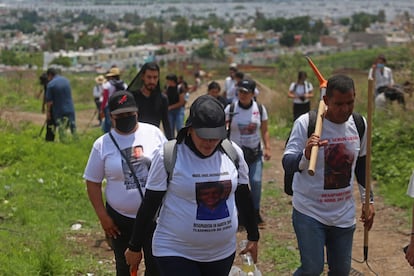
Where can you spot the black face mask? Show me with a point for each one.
(126, 124)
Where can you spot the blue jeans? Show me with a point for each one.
(255, 176)
(312, 237)
(106, 125)
(176, 119)
(179, 266)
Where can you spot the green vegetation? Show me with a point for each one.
(42, 192)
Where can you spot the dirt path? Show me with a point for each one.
(386, 239)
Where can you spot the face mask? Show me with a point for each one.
(126, 124)
(380, 65)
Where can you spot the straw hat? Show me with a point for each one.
(114, 71)
(100, 79)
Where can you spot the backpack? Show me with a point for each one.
(231, 114)
(170, 155)
(118, 84)
(360, 125)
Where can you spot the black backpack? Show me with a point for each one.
(360, 125)
(118, 84)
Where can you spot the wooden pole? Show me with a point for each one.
(371, 85)
(319, 118)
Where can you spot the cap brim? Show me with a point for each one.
(243, 90)
(124, 110)
(211, 133)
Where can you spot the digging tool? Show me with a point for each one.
(319, 117)
(371, 85)
(43, 127)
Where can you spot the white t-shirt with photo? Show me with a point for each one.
(328, 195)
(105, 162)
(246, 124)
(180, 232)
(300, 90)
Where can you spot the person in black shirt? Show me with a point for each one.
(152, 104)
(213, 89)
(176, 103)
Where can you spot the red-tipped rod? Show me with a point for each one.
(319, 118)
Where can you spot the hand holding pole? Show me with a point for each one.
(319, 118)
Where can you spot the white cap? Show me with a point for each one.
(233, 65)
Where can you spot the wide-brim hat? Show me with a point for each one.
(207, 118)
(100, 79)
(113, 72)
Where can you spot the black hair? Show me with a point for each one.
(381, 56)
(172, 77)
(239, 75)
(43, 79)
(137, 82)
(341, 83)
(150, 66)
(302, 74)
(213, 85)
(52, 72)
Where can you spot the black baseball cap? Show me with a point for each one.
(246, 86)
(122, 102)
(207, 118)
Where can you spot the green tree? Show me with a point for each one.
(10, 57)
(63, 61)
(181, 30)
(287, 39)
(361, 21)
(55, 41)
(210, 51)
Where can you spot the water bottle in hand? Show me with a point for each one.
(247, 260)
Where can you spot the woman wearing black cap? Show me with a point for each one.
(122, 157)
(247, 122)
(187, 240)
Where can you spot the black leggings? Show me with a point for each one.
(120, 244)
(179, 266)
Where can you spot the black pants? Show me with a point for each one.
(50, 128)
(299, 109)
(120, 244)
(179, 266)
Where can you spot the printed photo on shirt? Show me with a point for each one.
(140, 164)
(211, 200)
(338, 166)
(247, 129)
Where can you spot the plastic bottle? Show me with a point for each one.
(247, 260)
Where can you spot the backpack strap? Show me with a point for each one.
(231, 114)
(170, 156)
(230, 151)
(312, 122)
(260, 107)
(360, 124)
(358, 119)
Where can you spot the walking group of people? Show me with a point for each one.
(183, 221)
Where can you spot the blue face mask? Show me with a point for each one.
(380, 65)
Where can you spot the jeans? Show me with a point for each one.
(106, 125)
(255, 176)
(120, 244)
(176, 119)
(312, 236)
(179, 266)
